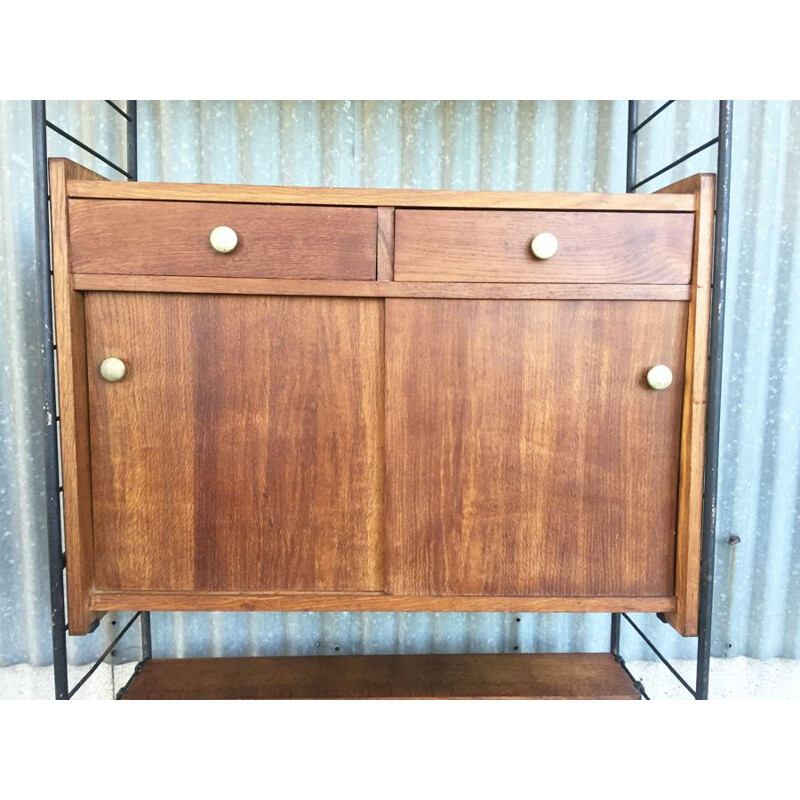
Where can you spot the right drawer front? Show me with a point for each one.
(495, 246)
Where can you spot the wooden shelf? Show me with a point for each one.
(578, 676)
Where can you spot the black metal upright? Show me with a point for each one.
(633, 144)
(718, 285)
(55, 549)
(132, 141)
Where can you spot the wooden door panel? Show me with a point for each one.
(526, 454)
(243, 450)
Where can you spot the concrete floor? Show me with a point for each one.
(731, 679)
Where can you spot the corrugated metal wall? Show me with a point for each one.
(544, 146)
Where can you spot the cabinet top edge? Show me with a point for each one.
(398, 198)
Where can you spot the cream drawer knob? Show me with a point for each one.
(224, 239)
(112, 369)
(659, 377)
(544, 246)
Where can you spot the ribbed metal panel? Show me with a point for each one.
(543, 146)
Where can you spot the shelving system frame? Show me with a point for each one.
(52, 482)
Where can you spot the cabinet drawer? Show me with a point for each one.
(495, 246)
(149, 237)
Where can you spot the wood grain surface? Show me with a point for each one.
(385, 244)
(693, 433)
(553, 676)
(495, 246)
(244, 447)
(381, 288)
(165, 238)
(525, 453)
(73, 405)
(415, 198)
(198, 600)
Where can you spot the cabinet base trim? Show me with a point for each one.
(336, 601)
(546, 676)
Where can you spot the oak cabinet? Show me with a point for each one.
(380, 400)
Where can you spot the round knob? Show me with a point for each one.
(224, 239)
(112, 369)
(659, 377)
(544, 246)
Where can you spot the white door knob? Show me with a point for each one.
(544, 246)
(224, 239)
(112, 369)
(659, 377)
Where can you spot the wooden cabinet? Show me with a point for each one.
(380, 400)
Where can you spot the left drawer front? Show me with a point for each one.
(148, 237)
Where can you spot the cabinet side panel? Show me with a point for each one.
(526, 454)
(690, 497)
(243, 450)
(73, 404)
